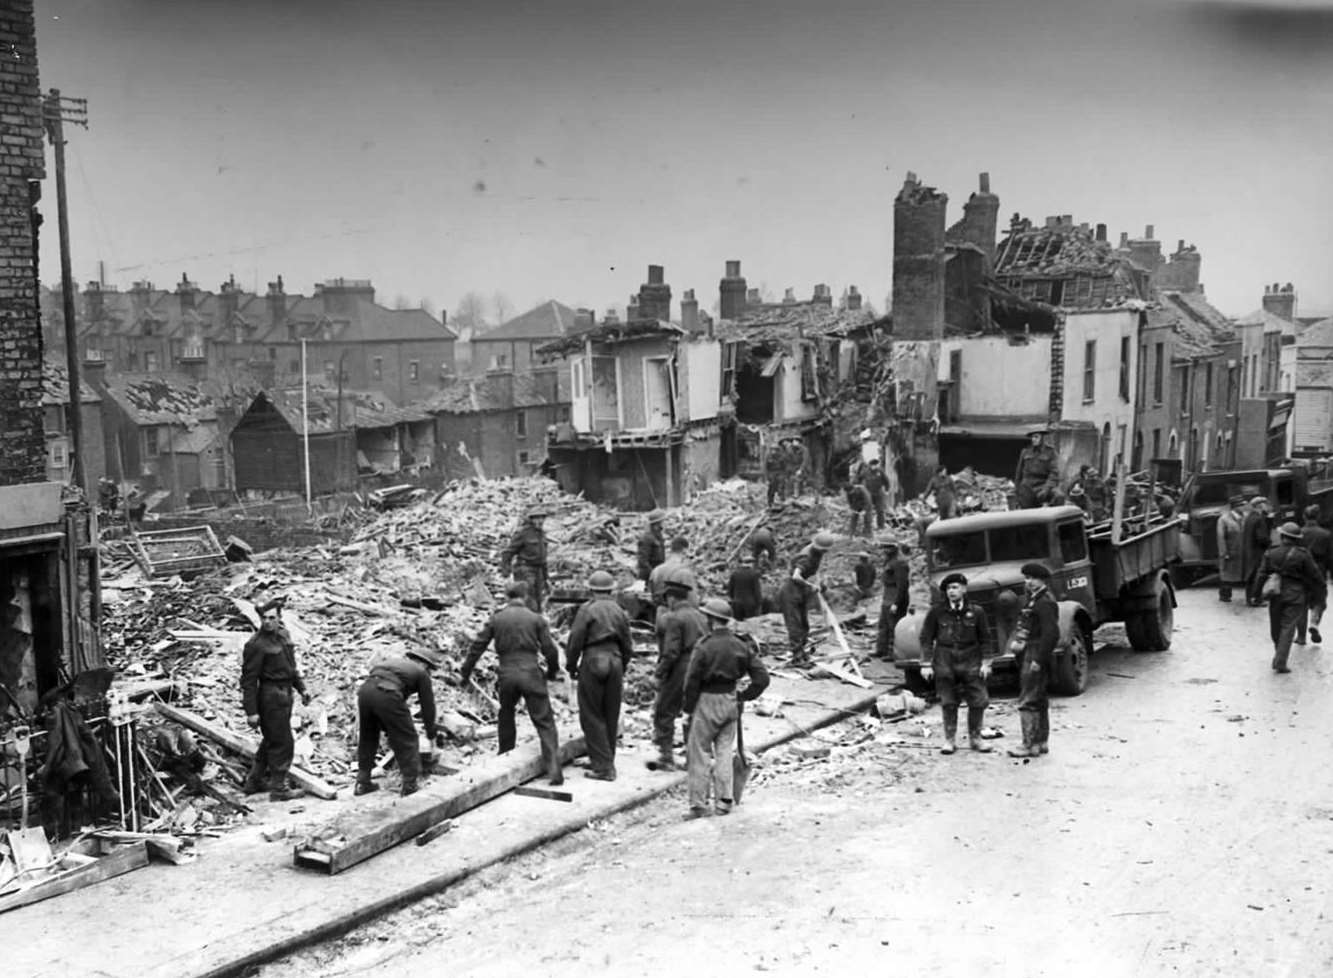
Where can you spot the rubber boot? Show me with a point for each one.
(664, 761)
(1029, 723)
(974, 718)
(410, 787)
(950, 729)
(1043, 733)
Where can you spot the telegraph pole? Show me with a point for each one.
(56, 111)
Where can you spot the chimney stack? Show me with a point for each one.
(1101, 232)
(584, 320)
(984, 183)
(1124, 239)
(789, 297)
(502, 381)
(854, 298)
(186, 292)
(277, 303)
(751, 297)
(612, 318)
(980, 221)
(632, 310)
(655, 295)
(918, 265)
(1281, 302)
(732, 292)
(1147, 232)
(823, 296)
(689, 312)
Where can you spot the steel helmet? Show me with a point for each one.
(823, 540)
(601, 581)
(681, 577)
(1289, 530)
(538, 510)
(432, 658)
(717, 608)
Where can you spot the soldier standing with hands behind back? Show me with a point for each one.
(269, 677)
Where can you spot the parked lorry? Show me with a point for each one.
(1095, 579)
(1288, 490)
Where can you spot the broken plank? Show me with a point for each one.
(245, 746)
(123, 860)
(433, 833)
(839, 673)
(355, 836)
(547, 793)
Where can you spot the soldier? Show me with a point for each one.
(941, 484)
(677, 564)
(1038, 631)
(717, 664)
(1302, 585)
(382, 706)
(521, 636)
(1035, 477)
(864, 573)
(651, 545)
(957, 635)
(776, 462)
(1098, 494)
(795, 465)
(875, 482)
(525, 556)
(1230, 564)
(764, 548)
(894, 599)
(745, 589)
(269, 677)
(1255, 538)
(1319, 542)
(677, 630)
(858, 500)
(795, 596)
(597, 652)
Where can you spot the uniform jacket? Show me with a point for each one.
(651, 552)
(657, 579)
(717, 663)
(677, 632)
(1040, 619)
(858, 498)
(520, 635)
(942, 487)
(598, 622)
(807, 562)
(526, 547)
(1302, 580)
(1037, 466)
(873, 479)
(957, 637)
(269, 657)
(1230, 558)
(865, 576)
(1319, 542)
(407, 676)
(897, 578)
(1255, 537)
(745, 589)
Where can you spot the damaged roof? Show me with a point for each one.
(1092, 273)
(489, 393)
(616, 332)
(779, 322)
(160, 398)
(1199, 327)
(55, 385)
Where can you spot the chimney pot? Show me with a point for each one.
(1101, 232)
(752, 297)
(656, 275)
(1147, 232)
(1067, 220)
(789, 296)
(1180, 245)
(1052, 220)
(733, 269)
(984, 183)
(1124, 239)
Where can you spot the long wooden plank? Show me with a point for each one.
(123, 860)
(356, 836)
(245, 746)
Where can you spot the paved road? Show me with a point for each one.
(1181, 826)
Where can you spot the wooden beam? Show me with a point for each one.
(123, 860)
(355, 836)
(547, 793)
(245, 746)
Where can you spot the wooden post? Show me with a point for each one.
(1118, 513)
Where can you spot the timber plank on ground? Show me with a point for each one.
(123, 860)
(354, 837)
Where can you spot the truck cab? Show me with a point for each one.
(1094, 579)
(1205, 497)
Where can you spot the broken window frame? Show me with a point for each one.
(1089, 371)
(731, 355)
(414, 371)
(809, 374)
(1126, 348)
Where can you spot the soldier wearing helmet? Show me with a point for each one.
(597, 652)
(717, 664)
(679, 626)
(382, 707)
(651, 545)
(525, 556)
(795, 595)
(1300, 585)
(677, 565)
(745, 589)
(1038, 469)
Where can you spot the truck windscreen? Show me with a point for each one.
(958, 550)
(1020, 542)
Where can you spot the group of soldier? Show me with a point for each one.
(1290, 573)
(785, 466)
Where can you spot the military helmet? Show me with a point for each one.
(601, 581)
(432, 658)
(823, 540)
(656, 516)
(717, 608)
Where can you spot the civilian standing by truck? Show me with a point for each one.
(957, 637)
(1230, 548)
(1300, 584)
(1039, 625)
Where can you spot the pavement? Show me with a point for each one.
(243, 902)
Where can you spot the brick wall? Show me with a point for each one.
(22, 439)
(918, 262)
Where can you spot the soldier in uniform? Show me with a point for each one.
(651, 545)
(1038, 631)
(858, 500)
(269, 678)
(525, 557)
(794, 597)
(776, 462)
(875, 482)
(1255, 536)
(522, 641)
(1230, 565)
(677, 630)
(1319, 541)
(946, 501)
(745, 589)
(764, 548)
(957, 635)
(894, 599)
(1038, 467)
(1302, 586)
(382, 706)
(597, 652)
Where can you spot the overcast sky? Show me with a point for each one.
(555, 149)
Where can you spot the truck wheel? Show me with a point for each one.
(1150, 631)
(1070, 675)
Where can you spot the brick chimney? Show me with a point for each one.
(980, 219)
(655, 295)
(689, 311)
(229, 301)
(584, 320)
(789, 297)
(187, 293)
(1281, 301)
(502, 382)
(751, 298)
(1101, 232)
(94, 303)
(141, 296)
(853, 299)
(1146, 252)
(612, 318)
(1124, 241)
(918, 261)
(1181, 271)
(732, 291)
(632, 309)
(277, 303)
(823, 296)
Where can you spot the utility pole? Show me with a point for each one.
(56, 111)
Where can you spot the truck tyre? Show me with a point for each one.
(1070, 675)
(1150, 630)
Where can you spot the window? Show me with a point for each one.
(1208, 385)
(293, 366)
(1073, 546)
(1232, 374)
(521, 423)
(414, 371)
(1124, 368)
(563, 414)
(1089, 371)
(955, 384)
(377, 368)
(273, 353)
(150, 443)
(54, 418)
(1157, 373)
(57, 454)
(1183, 379)
(150, 361)
(809, 379)
(93, 355)
(328, 370)
(730, 355)
(1157, 443)
(522, 458)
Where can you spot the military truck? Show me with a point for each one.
(1288, 491)
(1095, 578)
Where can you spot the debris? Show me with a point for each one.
(547, 793)
(275, 834)
(434, 832)
(811, 752)
(77, 873)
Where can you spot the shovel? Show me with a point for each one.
(740, 764)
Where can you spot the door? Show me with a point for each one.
(580, 407)
(606, 393)
(659, 409)
(1313, 421)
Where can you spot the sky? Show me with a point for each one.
(550, 150)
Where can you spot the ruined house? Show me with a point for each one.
(56, 408)
(282, 435)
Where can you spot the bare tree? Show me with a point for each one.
(427, 306)
(504, 309)
(471, 312)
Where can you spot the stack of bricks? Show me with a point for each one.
(22, 439)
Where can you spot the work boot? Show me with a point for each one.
(950, 729)
(664, 761)
(364, 786)
(1043, 733)
(410, 787)
(285, 794)
(723, 806)
(594, 775)
(1029, 731)
(974, 741)
(253, 786)
(1314, 634)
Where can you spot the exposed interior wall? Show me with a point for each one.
(700, 378)
(700, 461)
(1000, 379)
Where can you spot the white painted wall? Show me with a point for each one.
(1001, 379)
(1107, 407)
(700, 371)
